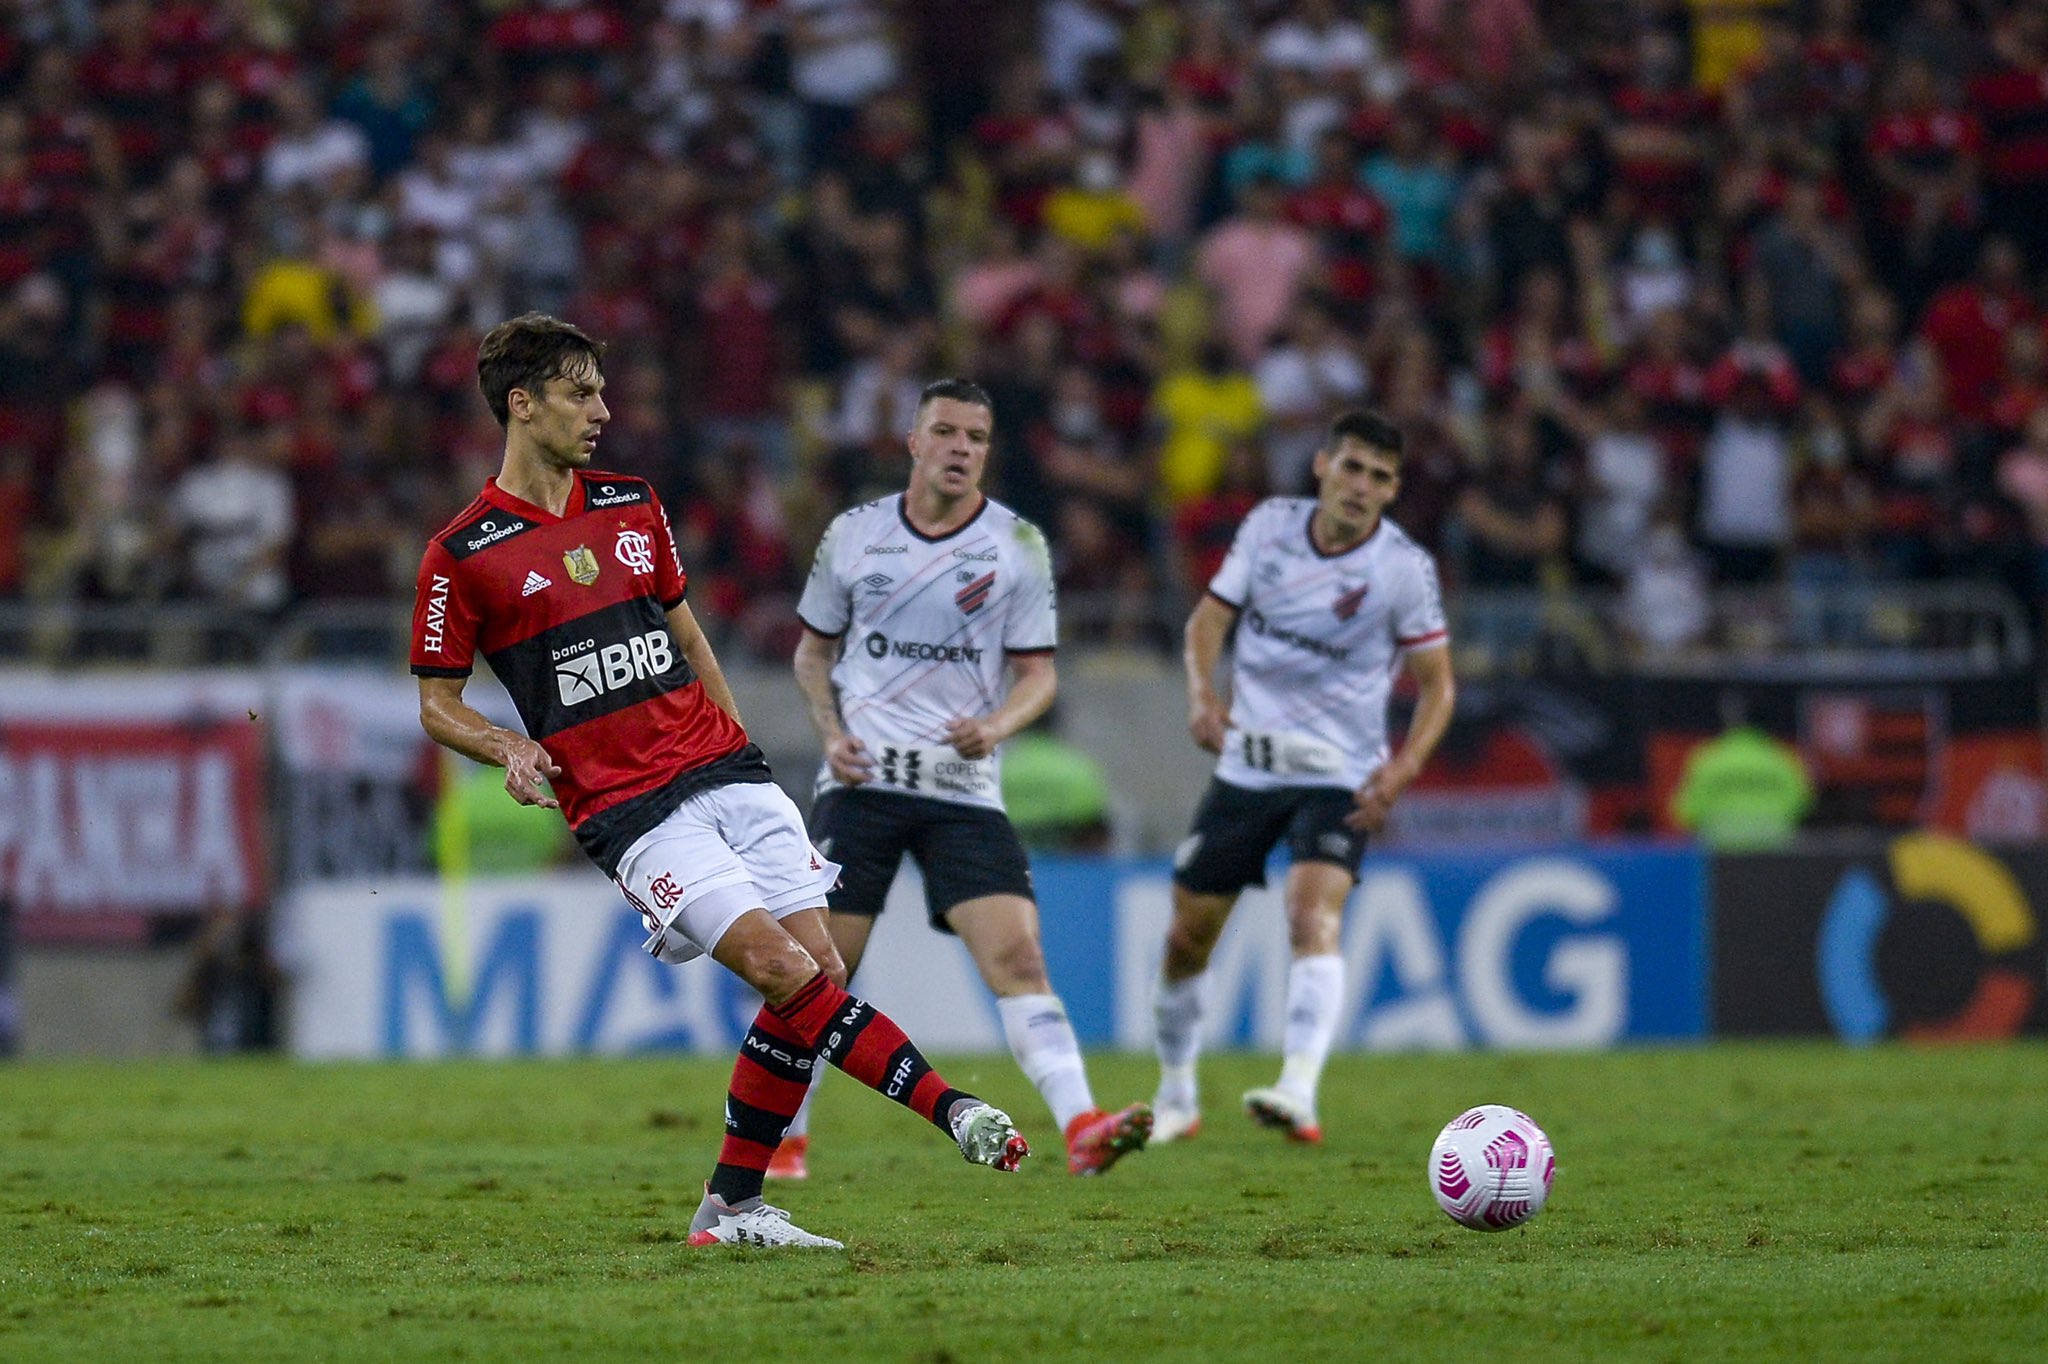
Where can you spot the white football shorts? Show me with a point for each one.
(723, 852)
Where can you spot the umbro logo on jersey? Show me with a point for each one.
(535, 583)
(975, 595)
(875, 582)
(1347, 605)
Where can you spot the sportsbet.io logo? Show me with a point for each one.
(584, 672)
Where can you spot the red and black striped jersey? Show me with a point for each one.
(571, 613)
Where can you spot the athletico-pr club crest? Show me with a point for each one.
(1347, 605)
(581, 564)
(974, 596)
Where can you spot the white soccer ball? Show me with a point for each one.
(1491, 1168)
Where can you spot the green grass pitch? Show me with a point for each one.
(1730, 1202)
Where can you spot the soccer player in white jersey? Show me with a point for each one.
(1329, 599)
(929, 630)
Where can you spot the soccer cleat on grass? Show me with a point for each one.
(1098, 1140)
(988, 1137)
(717, 1223)
(1277, 1109)
(790, 1159)
(1172, 1123)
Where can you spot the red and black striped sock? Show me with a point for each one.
(864, 1042)
(770, 1077)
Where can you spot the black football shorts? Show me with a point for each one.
(1235, 829)
(964, 851)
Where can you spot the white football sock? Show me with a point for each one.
(1315, 994)
(800, 1125)
(1177, 1015)
(1042, 1040)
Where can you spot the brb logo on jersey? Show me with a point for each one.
(584, 672)
(635, 551)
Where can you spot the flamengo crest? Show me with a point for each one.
(635, 551)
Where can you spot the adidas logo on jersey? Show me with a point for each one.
(535, 583)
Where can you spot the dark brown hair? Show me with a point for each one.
(1367, 428)
(959, 390)
(525, 352)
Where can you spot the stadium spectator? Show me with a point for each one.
(1305, 379)
(232, 518)
(1745, 511)
(1511, 522)
(785, 193)
(1201, 410)
(1257, 262)
(1665, 609)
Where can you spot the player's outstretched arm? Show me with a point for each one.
(844, 753)
(1438, 698)
(682, 623)
(454, 723)
(1202, 645)
(1033, 684)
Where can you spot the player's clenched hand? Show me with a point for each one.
(526, 763)
(1207, 721)
(848, 758)
(1374, 801)
(973, 736)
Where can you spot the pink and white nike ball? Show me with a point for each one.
(1491, 1168)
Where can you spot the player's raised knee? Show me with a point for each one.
(767, 958)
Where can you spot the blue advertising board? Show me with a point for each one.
(1568, 948)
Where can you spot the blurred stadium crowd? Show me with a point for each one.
(1666, 294)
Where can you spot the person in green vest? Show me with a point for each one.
(1057, 795)
(1742, 789)
(481, 831)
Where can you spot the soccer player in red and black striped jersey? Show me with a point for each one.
(567, 581)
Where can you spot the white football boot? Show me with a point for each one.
(1284, 1111)
(753, 1223)
(988, 1137)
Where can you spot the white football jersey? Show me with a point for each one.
(928, 626)
(1319, 641)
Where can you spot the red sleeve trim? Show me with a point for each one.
(1432, 637)
(1041, 649)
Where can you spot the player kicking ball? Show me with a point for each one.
(1329, 599)
(928, 640)
(566, 580)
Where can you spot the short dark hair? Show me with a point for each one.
(959, 390)
(525, 352)
(1368, 428)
